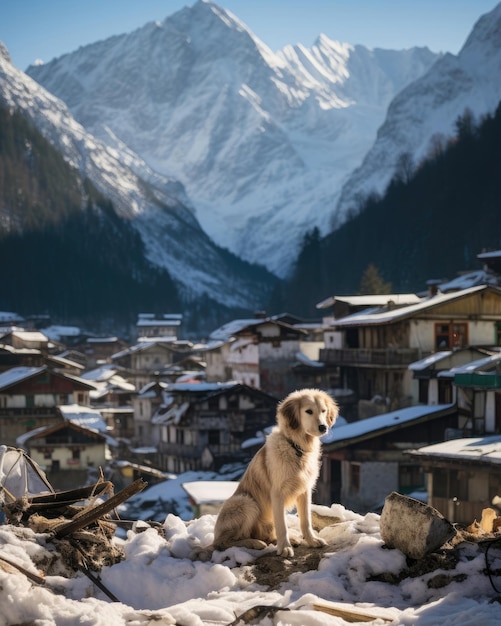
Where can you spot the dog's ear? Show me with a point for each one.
(332, 411)
(289, 409)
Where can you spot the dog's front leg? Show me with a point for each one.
(304, 512)
(284, 547)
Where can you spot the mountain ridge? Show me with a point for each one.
(260, 140)
(421, 117)
(151, 202)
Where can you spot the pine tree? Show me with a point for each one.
(372, 282)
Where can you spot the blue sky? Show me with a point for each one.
(44, 29)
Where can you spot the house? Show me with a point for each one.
(29, 397)
(374, 347)
(111, 387)
(196, 426)
(341, 306)
(18, 357)
(256, 352)
(65, 451)
(150, 326)
(463, 476)
(146, 359)
(434, 388)
(27, 339)
(364, 461)
(99, 350)
(478, 394)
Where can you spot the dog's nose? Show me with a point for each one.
(322, 428)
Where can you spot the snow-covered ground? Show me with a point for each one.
(158, 582)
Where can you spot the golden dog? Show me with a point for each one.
(282, 474)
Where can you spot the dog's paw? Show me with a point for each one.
(286, 550)
(315, 542)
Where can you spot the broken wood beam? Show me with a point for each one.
(90, 515)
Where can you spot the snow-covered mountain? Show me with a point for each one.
(423, 115)
(262, 141)
(156, 205)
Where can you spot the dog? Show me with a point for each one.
(283, 473)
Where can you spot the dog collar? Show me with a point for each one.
(297, 449)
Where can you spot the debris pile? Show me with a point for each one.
(76, 522)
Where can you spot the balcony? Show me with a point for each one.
(371, 357)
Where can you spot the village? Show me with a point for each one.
(417, 378)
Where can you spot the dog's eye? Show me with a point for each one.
(309, 411)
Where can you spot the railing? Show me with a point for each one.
(386, 357)
(35, 411)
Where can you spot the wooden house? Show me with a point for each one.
(29, 397)
(373, 348)
(463, 476)
(151, 326)
(66, 451)
(434, 386)
(364, 461)
(258, 353)
(145, 360)
(196, 426)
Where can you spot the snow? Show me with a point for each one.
(374, 424)
(485, 449)
(375, 316)
(261, 141)
(158, 582)
(428, 108)
(17, 374)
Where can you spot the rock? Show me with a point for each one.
(413, 527)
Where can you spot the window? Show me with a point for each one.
(450, 336)
(410, 477)
(444, 391)
(213, 436)
(423, 390)
(214, 403)
(75, 455)
(355, 476)
(179, 436)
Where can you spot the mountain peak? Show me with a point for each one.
(261, 141)
(4, 53)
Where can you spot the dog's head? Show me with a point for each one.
(310, 410)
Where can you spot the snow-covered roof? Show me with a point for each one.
(472, 279)
(430, 360)
(155, 322)
(368, 318)
(17, 374)
(492, 254)
(482, 449)
(210, 491)
(171, 416)
(9, 317)
(225, 333)
(485, 364)
(84, 416)
(373, 425)
(370, 300)
(304, 360)
(102, 339)
(100, 374)
(55, 332)
(32, 336)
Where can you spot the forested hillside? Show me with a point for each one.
(63, 249)
(431, 223)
